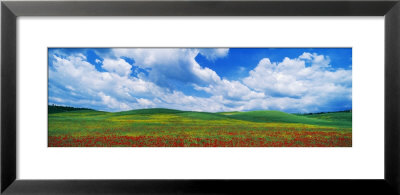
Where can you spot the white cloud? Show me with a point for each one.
(291, 84)
(277, 79)
(112, 103)
(316, 60)
(167, 65)
(214, 53)
(230, 89)
(145, 103)
(56, 99)
(120, 66)
(164, 64)
(180, 101)
(306, 56)
(112, 91)
(91, 87)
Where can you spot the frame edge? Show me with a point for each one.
(392, 97)
(8, 102)
(202, 8)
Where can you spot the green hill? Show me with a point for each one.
(149, 111)
(335, 119)
(278, 116)
(203, 115)
(331, 116)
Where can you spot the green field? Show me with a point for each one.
(157, 127)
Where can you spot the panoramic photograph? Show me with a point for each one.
(199, 97)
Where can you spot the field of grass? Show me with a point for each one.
(174, 128)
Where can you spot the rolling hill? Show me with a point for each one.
(336, 119)
(160, 127)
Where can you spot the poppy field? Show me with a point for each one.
(175, 128)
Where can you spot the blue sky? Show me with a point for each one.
(295, 80)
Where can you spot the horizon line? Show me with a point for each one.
(82, 108)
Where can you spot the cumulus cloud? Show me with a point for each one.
(113, 103)
(316, 60)
(166, 65)
(120, 66)
(278, 78)
(91, 87)
(116, 90)
(293, 85)
(230, 89)
(145, 103)
(214, 53)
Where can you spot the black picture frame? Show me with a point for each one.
(10, 10)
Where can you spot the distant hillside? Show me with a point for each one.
(270, 116)
(57, 109)
(316, 113)
(336, 119)
(344, 116)
(150, 111)
(341, 119)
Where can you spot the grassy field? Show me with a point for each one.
(173, 128)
